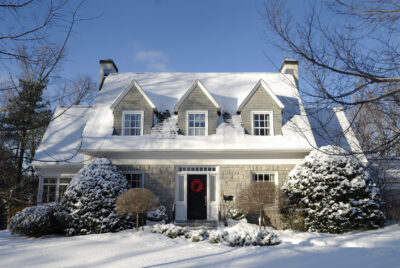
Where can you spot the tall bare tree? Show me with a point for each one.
(351, 60)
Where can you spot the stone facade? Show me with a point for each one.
(234, 177)
(261, 101)
(160, 179)
(133, 101)
(197, 100)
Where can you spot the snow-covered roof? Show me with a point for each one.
(227, 89)
(62, 141)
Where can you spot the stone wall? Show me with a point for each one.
(234, 177)
(160, 180)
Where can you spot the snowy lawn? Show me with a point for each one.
(378, 248)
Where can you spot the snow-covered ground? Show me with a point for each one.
(378, 248)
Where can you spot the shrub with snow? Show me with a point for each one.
(37, 221)
(90, 200)
(158, 214)
(243, 234)
(334, 192)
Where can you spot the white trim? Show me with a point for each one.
(135, 172)
(197, 83)
(132, 112)
(263, 85)
(121, 96)
(206, 162)
(276, 179)
(271, 121)
(197, 112)
(181, 206)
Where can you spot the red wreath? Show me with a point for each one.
(197, 186)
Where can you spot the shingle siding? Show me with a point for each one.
(197, 100)
(135, 101)
(261, 101)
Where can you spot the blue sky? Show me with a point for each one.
(173, 35)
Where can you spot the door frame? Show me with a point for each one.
(181, 173)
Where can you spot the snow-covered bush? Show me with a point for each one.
(334, 192)
(37, 221)
(90, 200)
(197, 235)
(170, 230)
(158, 214)
(243, 235)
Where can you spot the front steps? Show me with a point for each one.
(197, 224)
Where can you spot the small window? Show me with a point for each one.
(135, 180)
(262, 123)
(132, 123)
(197, 124)
(49, 190)
(264, 177)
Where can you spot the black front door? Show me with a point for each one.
(197, 197)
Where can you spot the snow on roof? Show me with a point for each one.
(227, 89)
(165, 89)
(62, 140)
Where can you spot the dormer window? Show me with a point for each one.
(132, 123)
(197, 123)
(262, 122)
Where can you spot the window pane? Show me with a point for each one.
(202, 132)
(256, 123)
(127, 117)
(202, 117)
(262, 133)
(197, 116)
(62, 189)
(49, 193)
(191, 123)
(212, 188)
(255, 116)
(191, 132)
(261, 116)
(191, 117)
(197, 124)
(262, 124)
(181, 189)
(256, 132)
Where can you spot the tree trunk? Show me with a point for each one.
(137, 222)
(21, 157)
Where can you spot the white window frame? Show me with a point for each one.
(271, 123)
(275, 173)
(136, 172)
(205, 112)
(57, 183)
(132, 112)
(45, 184)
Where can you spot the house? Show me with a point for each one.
(194, 139)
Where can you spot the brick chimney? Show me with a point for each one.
(107, 66)
(290, 66)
